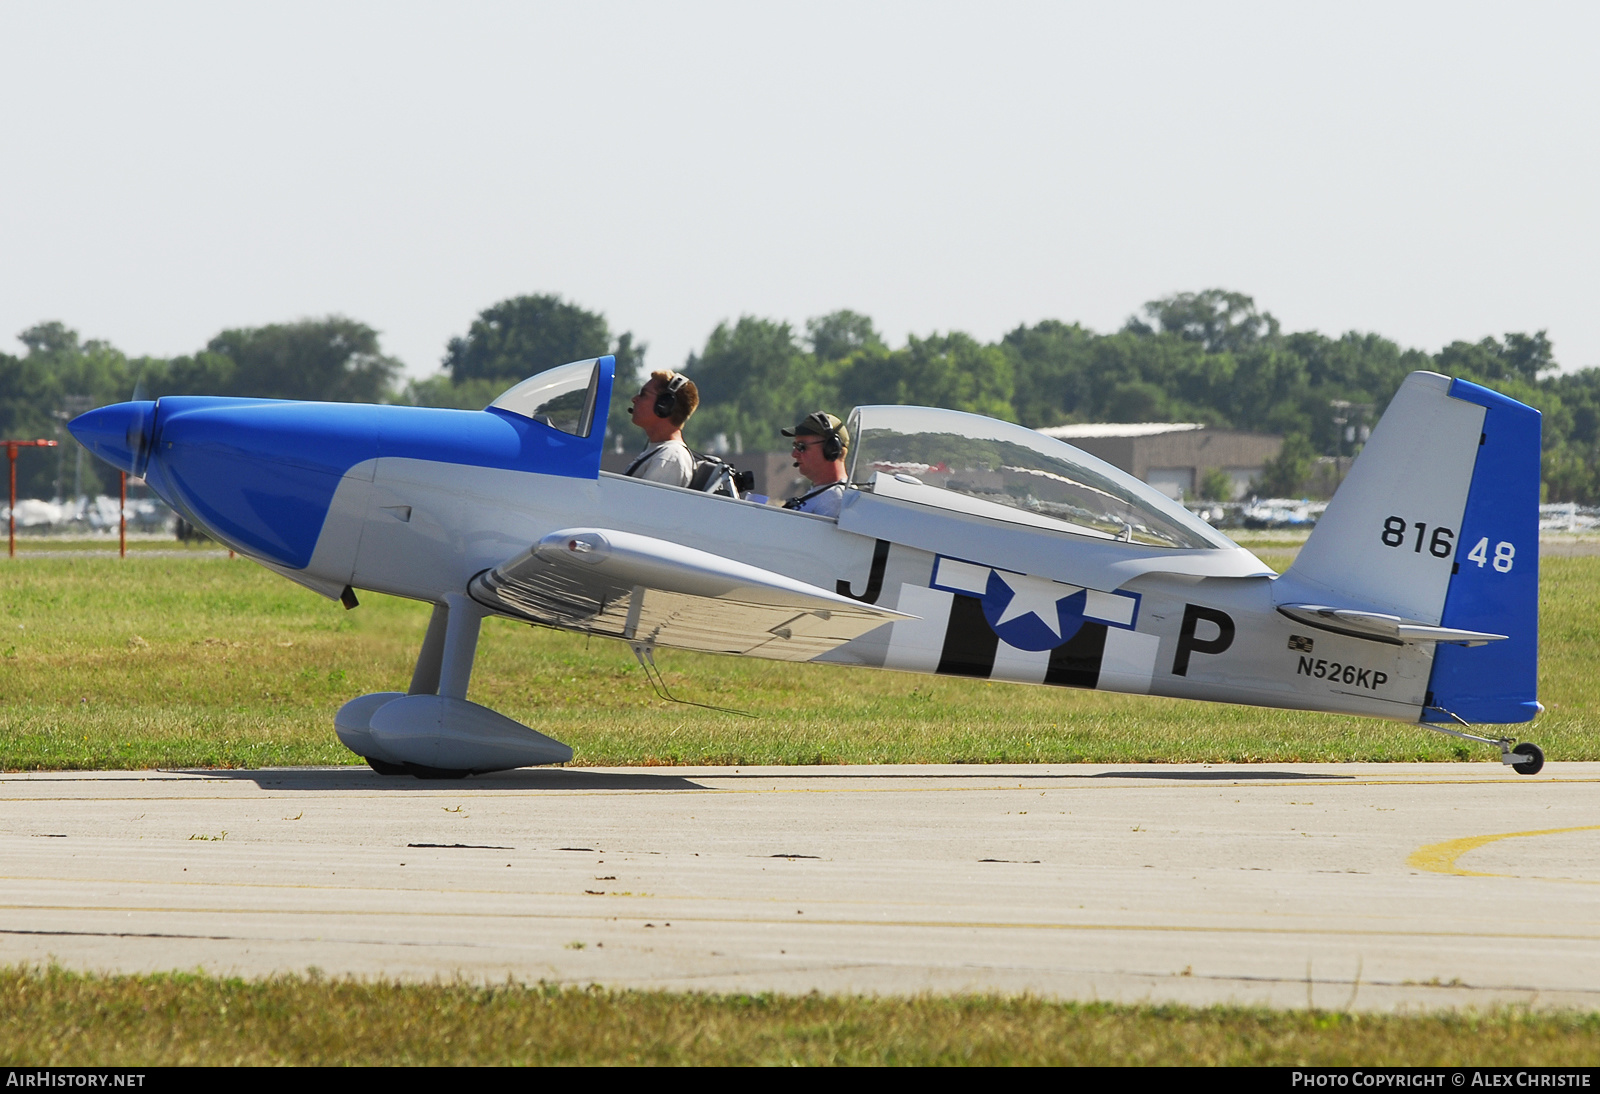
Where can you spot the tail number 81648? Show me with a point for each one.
(1442, 542)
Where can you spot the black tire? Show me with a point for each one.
(1533, 763)
(383, 767)
(435, 772)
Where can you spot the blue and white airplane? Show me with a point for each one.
(965, 546)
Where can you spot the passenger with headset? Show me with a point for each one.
(660, 409)
(820, 444)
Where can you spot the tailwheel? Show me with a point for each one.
(1525, 759)
(1534, 761)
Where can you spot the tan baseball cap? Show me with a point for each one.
(820, 424)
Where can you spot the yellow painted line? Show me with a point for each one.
(816, 923)
(1440, 858)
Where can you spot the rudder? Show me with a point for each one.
(1495, 582)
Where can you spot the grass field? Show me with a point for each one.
(56, 1017)
(186, 658)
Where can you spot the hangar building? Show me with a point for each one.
(1174, 456)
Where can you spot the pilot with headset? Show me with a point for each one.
(820, 444)
(660, 409)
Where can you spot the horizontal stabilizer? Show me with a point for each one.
(654, 592)
(1381, 628)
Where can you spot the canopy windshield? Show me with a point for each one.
(1008, 472)
(562, 397)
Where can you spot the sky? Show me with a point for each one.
(1425, 171)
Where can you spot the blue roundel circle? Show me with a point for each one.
(1028, 631)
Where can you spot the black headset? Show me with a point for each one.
(832, 446)
(667, 401)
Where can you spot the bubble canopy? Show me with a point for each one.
(562, 398)
(1007, 472)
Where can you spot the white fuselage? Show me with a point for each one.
(423, 530)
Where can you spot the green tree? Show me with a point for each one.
(28, 395)
(1216, 485)
(526, 335)
(754, 380)
(630, 374)
(52, 340)
(1572, 460)
(60, 376)
(1137, 401)
(203, 373)
(1520, 357)
(1124, 367)
(1284, 476)
(952, 370)
(1571, 472)
(334, 359)
(1221, 321)
(1052, 372)
(440, 390)
(837, 335)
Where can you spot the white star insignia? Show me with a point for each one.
(1035, 596)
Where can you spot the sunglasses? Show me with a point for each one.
(801, 446)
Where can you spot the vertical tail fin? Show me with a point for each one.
(1495, 584)
(1438, 523)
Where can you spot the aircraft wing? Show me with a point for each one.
(652, 591)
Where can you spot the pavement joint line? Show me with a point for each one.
(821, 922)
(681, 898)
(1150, 784)
(263, 939)
(374, 890)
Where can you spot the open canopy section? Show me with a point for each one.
(563, 398)
(1007, 472)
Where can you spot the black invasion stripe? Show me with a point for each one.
(969, 642)
(1076, 662)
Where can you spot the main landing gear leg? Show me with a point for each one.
(433, 731)
(425, 677)
(460, 646)
(443, 670)
(1526, 758)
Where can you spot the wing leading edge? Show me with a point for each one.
(650, 591)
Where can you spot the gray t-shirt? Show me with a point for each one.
(824, 501)
(668, 462)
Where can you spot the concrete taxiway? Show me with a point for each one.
(1372, 886)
